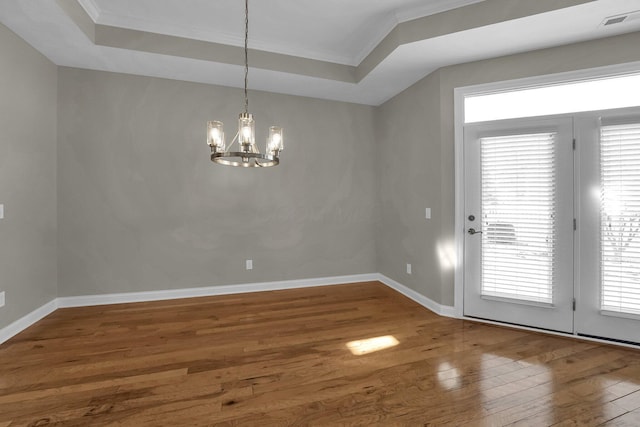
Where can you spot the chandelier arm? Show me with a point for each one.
(235, 138)
(246, 55)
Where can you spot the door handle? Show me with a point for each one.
(473, 231)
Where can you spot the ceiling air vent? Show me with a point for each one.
(625, 17)
(617, 20)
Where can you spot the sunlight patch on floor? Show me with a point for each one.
(370, 345)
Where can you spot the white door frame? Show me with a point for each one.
(459, 95)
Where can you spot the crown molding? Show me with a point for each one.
(432, 8)
(438, 6)
(108, 19)
(92, 9)
(409, 51)
(147, 25)
(370, 46)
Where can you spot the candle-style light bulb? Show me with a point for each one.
(246, 132)
(215, 136)
(275, 142)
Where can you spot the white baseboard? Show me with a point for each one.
(88, 300)
(442, 310)
(81, 301)
(28, 320)
(128, 297)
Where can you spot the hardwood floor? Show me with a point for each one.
(281, 358)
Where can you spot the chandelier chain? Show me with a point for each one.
(246, 55)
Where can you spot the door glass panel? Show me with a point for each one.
(620, 218)
(518, 185)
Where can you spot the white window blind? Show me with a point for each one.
(518, 210)
(620, 218)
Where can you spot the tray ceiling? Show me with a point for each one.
(362, 51)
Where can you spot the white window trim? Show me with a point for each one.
(458, 98)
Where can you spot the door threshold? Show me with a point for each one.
(576, 336)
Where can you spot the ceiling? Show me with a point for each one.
(324, 30)
(363, 51)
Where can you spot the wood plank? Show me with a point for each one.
(281, 358)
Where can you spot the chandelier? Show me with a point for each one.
(247, 153)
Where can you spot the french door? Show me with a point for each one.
(608, 238)
(519, 228)
(552, 220)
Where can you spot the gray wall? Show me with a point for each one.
(27, 177)
(422, 118)
(408, 181)
(141, 206)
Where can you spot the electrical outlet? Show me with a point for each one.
(408, 268)
(2, 299)
(249, 264)
(427, 213)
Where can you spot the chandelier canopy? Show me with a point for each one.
(247, 153)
